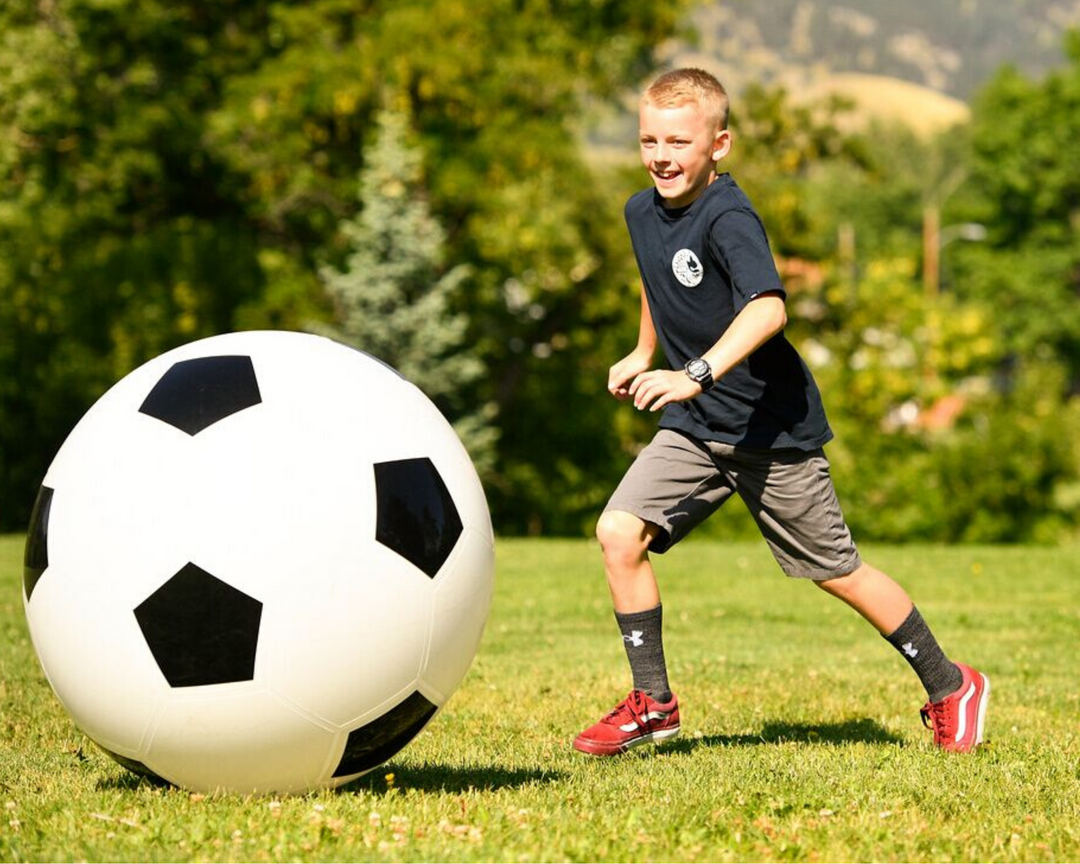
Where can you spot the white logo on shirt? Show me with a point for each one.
(687, 268)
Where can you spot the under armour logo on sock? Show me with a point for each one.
(910, 650)
(634, 638)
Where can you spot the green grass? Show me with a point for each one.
(801, 737)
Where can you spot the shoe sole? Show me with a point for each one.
(597, 748)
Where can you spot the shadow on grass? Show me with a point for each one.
(429, 778)
(863, 731)
(129, 781)
(486, 778)
(446, 778)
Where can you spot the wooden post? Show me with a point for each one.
(845, 241)
(931, 250)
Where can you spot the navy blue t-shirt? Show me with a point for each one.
(700, 265)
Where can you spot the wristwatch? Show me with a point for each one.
(700, 372)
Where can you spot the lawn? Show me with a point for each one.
(801, 736)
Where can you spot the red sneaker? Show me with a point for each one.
(638, 719)
(958, 719)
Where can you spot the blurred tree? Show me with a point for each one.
(174, 169)
(781, 148)
(118, 233)
(495, 90)
(170, 170)
(394, 298)
(1025, 187)
(890, 359)
(884, 353)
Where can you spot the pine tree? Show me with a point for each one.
(394, 299)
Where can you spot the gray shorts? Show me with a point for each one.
(677, 482)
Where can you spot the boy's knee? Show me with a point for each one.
(835, 586)
(847, 585)
(623, 535)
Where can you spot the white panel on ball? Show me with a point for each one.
(469, 601)
(261, 549)
(249, 740)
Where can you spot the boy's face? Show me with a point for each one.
(679, 148)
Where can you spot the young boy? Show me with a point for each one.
(742, 414)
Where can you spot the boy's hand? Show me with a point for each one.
(654, 390)
(625, 371)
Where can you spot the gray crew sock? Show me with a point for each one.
(644, 643)
(939, 675)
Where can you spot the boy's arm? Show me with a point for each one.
(760, 320)
(638, 360)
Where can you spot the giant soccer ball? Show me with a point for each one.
(260, 562)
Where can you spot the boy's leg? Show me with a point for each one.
(672, 486)
(957, 694)
(624, 539)
(650, 713)
(814, 542)
(872, 594)
(886, 605)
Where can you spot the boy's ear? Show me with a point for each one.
(721, 145)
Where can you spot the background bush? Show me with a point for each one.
(173, 170)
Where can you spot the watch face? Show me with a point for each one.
(697, 368)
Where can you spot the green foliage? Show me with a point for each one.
(780, 146)
(495, 90)
(784, 755)
(880, 197)
(116, 240)
(395, 299)
(1029, 437)
(169, 170)
(1025, 185)
(888, 358)
(999, 345)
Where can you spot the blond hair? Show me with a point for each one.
(680, 86)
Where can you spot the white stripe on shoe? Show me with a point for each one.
(961, 726)
(652, 715)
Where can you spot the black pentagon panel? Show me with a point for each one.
(36, 557)
(137, 767)
(375, 742)
(201, 630)
(416, 515)
(197, 393)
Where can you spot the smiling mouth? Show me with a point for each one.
(666, 175)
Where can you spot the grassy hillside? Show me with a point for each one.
(890, 100)
(914, 63)
(950, 47)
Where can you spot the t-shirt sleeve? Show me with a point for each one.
(738, 240)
